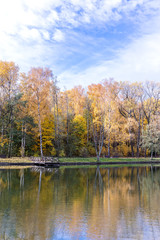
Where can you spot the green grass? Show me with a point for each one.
(94, 159)
(78, 159)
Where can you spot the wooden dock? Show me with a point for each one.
(47, 164)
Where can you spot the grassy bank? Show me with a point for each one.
(15, 160)
(94, 159)
(82, 160)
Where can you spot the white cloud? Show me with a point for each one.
(27, 26)
(58, 35)
(45, 34)
(41, 5)
(53, 17)
(16, 14)
(43, 13)
(139, 61)
(28, 34)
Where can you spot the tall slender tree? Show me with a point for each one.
(97, 94)
(8, 89)
(36, 90)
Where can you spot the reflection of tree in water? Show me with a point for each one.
(98, 180)
(45, 203)
(150, 184)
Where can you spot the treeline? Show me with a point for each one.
(107, 119)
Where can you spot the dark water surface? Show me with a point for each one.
(80, 203)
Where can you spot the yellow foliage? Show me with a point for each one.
(53, 152)
(47, 132)
(3, 141)
(80, 129)
(103, 152)
(76, 99)
(62, 153)
(124, 149)
(91, 151)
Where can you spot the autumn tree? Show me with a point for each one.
(151, 136)
(8, 89)
(111, 113)
(67, 116)
(55, 95)
(130, 109)
(79, 132)
(111, 118)
(24, 129)
(36, 91)
(97, 95)
(150, 102)
(72, 104)
(48, 134)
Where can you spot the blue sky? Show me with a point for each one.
(83, 41)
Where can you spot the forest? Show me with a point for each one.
(109, 119)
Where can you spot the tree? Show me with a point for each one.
(8, 90)
(97, 95)
(48, 130)
(150, 102)
(36, 91)
(56, 114)
(79, 133)
(111, 113)
(130, 108)
(25, 129)
(151, 136)
(67, 116)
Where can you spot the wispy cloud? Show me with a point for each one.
(138, 61)
(58, 35)
(86, 40)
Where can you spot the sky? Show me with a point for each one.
(83, 41)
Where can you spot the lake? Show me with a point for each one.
(80, 203)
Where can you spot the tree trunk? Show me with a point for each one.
(58, 140)
(98, 140)
(67, 126)
(109, 147)
(139, 131)
(109, 129)
(131, 142)
(40, 130)
(87, 122)
(10, 136)
(56, 123)
(2, 134)
(23, 140)
(152, 153)
(87, 129)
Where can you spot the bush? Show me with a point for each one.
(62, 153)
(53, 152)
(83, 152)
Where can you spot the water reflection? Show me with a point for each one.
(102, 203)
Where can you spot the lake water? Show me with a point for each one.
(80, 203)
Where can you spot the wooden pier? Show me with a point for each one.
(46, 162)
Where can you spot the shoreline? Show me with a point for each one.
(52, 165)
